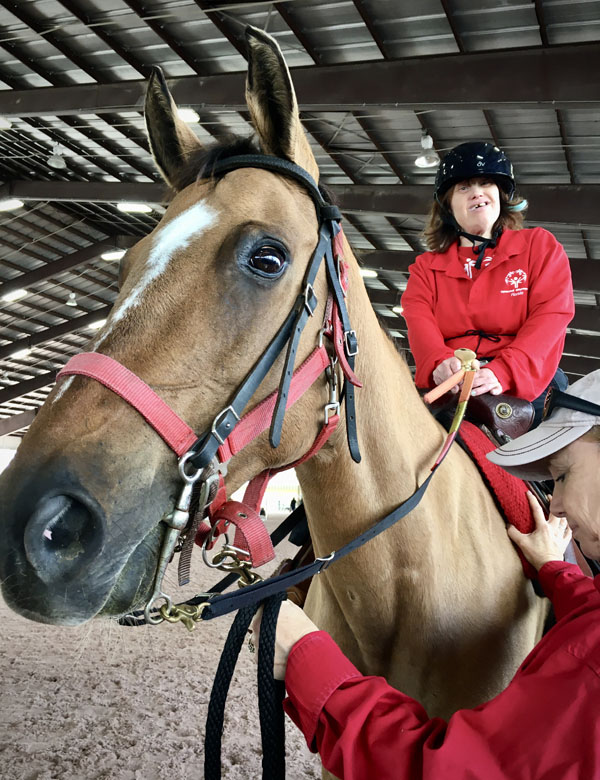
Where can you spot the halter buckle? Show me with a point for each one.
(220, 419)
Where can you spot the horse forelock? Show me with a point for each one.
(201, 163)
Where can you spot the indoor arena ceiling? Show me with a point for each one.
(372, 76)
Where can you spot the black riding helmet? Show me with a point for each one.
(472, 159)
(466, 161)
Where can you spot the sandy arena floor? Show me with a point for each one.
(102, 702)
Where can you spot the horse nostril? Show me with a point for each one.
(60, 535)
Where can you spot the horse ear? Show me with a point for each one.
(272, 103)
(171, 140)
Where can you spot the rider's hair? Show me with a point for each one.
(439, 235)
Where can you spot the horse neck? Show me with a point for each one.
(398, 437)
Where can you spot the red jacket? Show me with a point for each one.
(525, 296)
(544, 726)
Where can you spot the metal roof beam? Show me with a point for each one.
(65, 263)
(50, 334)
(481, 80)
(16, 422)
(578, 204)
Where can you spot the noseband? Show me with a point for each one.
(201, 458)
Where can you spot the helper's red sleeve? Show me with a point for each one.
(568, 588)
(361, 726)
(424, 335)
(526, 366)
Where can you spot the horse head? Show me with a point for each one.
(201, 297)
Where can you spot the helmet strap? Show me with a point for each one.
(484, 243)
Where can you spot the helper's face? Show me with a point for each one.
(576, 496)
(475, 204)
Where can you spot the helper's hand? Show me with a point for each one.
(445, 370)
(547, 542)
(292, 625)
(485, 382)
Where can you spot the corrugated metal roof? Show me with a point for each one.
(496, 76)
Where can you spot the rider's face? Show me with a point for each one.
(475, 204)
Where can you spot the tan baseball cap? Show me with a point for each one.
(527, 456)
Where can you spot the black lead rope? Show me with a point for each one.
(270, 693)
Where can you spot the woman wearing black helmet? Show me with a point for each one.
(487, 284)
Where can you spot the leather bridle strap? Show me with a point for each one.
(259, 419)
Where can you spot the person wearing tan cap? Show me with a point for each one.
(545, 724)
(565, 448)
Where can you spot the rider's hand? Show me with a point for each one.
(485, 382)
(446, 369)
(547, 542)
(292, 625)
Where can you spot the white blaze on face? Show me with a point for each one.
(176, 235)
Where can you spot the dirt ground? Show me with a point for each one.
(105, 702)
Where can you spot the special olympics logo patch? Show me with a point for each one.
(514, 280)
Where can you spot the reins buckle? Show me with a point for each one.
(310, 299)
(219, 419)
(325, 561)
(351, 343)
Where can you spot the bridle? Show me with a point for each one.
(202, 459)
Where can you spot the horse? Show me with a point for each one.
(438, 604)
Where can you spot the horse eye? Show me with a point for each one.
(268, 260)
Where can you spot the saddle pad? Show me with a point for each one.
(509, 493)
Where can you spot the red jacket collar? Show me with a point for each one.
(511, 242)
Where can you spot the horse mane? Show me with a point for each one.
(201, 162)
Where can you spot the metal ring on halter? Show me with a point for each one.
(156, 619)
(207, 541)
(183, 460)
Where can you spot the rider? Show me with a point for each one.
(545, 724)
(487, 284)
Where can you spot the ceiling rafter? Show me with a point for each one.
(577, 204)
(65, 263)
(474, 81)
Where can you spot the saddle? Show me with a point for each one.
(503, 416)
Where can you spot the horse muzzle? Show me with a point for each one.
(53, 562)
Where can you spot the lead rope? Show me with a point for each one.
(270, 693)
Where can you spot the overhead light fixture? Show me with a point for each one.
(21, 353)
(15, 295)
(56, 160)
(188, 115)
(134, 208)
(114, 254)
(368, 273)
(72, 299)
(429, 158)
(10, 204)
(397, 309)
(5, 123)
(97, 325)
